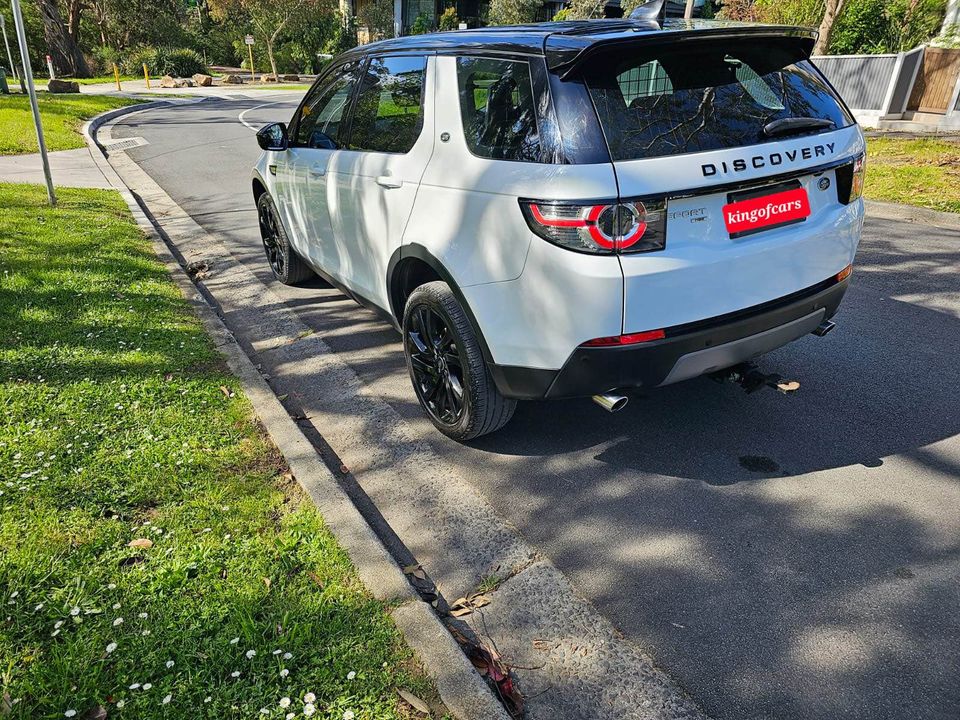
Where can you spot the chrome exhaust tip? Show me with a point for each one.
(610, 402)
(823, 328)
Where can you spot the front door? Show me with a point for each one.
(374, 180)
(316, 139)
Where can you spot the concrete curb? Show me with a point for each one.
(461, 688)
(912, 214)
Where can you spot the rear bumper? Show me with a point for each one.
(687, 351)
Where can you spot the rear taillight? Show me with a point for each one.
(601, 228)
(850, 179)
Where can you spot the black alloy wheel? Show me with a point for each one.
(436, 365)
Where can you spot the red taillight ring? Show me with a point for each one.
(554, 222)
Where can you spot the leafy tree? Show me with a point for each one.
(62, 44)
(378, 17)
(832, 11)
(514, 12)
(269, 18)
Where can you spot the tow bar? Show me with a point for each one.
(747, 376)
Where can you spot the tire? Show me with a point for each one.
(443, 355)
(288, 267)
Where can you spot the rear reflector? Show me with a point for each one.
(630, 339)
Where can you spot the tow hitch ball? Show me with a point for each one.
(747, 376)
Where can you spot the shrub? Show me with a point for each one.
(421, 25)
(132, 61)
(103, 59)
(562, 15)
(448, 19)
(180, 62)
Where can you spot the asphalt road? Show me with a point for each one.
(781, 557)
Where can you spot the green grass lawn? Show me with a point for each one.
(923, 172)
(118, 423)
(62, 117)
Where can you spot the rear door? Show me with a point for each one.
(742, 138)
(373, 181)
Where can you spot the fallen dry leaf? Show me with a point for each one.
(144, 543)
(266, 581)
(6, 705)
(226, 391)
(414, 702)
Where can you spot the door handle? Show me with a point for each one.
(389, 182)
(318, 170)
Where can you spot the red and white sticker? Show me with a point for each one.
(761, 212)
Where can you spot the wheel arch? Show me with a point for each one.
(413, 265)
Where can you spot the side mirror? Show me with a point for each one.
(273, 137)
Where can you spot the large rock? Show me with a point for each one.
(231, 80)
(290, 78)
(168, 81)
(268, 78)
(63, 86)
(203, 80)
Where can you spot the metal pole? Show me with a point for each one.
(28, 80)
(13, 68)
(688, 12)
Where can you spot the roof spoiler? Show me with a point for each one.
(566, 52)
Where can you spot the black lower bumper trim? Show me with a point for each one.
(591, 371)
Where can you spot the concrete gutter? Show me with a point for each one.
(461, 688)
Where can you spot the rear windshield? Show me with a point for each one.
(705, 96)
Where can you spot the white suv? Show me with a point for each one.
(570, 209)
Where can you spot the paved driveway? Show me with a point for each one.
(781, 557)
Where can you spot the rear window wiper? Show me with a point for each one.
(789, 126)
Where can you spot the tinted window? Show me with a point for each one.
(498, 110)
(389, 110)
(322, 113)
(705, 97)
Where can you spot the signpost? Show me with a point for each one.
(28, 81)
(249, 41)
(13, 68)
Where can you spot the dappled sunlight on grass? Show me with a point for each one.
(924, 172)
(118, 424)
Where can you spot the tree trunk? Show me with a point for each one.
(64, 51)
(834, 8)
(273, 63)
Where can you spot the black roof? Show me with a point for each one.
(566, 43)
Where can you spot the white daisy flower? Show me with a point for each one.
(38, 608)
(170, 664)
(111, 647)
(284, 672)
(235, 641)
(277, 652)
(55, 633)
(112, 586)
(70, 713)
(118, 621)
(284, 702)
(290, 716)
(147, 686)
(251, 654)
(116, 606)
(235, 674)
(287, 656)
(145, 633)
(264, 711)
(74, 611)
(58, 624)
(207, 699)
(120, 704)
(309, 698)
(309, 710)
(351, 675)
(166, 699)
(135, 686)
(142, 616)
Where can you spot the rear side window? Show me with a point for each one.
(389, 110)
(707, 96)
(498, 109)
